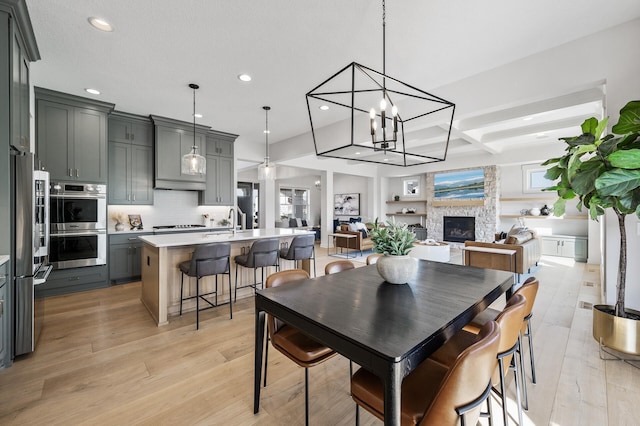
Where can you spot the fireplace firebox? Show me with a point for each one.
(458, 229)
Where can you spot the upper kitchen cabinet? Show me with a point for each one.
(220, 170)
(71, 135)
(129, 128)
(17, 49)
(173, 139)
(130, 159)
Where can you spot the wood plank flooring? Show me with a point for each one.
(102, 361)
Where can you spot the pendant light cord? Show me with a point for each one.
(194, 117)
(384, 46)
(266, 134)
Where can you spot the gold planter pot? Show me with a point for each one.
(620, 334)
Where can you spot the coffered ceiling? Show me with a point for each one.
(158, 47)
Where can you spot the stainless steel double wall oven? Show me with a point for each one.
(78, 225)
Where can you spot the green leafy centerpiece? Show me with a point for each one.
(603, 172)
(394, 240)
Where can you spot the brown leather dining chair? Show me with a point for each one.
(529, 290)
(338, 266)
(373, 258)
(295, 345)
(434, 394)
(510, 322)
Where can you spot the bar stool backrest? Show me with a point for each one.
(529, 290)
(210, 259)
(510, 321)
(263, 253)
(301, 247)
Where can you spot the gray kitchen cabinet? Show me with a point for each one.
(220, 170)
(64, 281)
(130, 162)
(173, 139)
(71, 134)
(4, 332)
(20, 96)
(125, 251)
(565, 246)
(128, 128)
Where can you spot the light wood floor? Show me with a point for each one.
(101, 360)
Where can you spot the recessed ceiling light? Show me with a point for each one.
(358, 153)
(266, 131)
(540, 135)
(197, 115)
(386, 159)
(244, 77)
(527, 118)
(100, 24)
(92, 91)
(324, 107)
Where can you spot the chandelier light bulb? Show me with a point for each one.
(394, 111)
(383, 104)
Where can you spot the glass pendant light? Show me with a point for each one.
(193, 163)
(266, 170)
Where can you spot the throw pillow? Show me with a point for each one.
(516, 229)
(304, 222)
(298, 222)
(353, 227)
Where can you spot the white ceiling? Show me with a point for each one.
(160, 46)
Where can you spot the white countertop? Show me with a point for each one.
(111, 230)
(192, 238)
(4, 259)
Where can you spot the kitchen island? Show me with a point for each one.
(161, 255)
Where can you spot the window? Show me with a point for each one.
(411, 187)
(533, 179)
(294, 203)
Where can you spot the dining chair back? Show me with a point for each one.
(373, 258)
(338, 266)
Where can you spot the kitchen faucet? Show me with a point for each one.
(233, 220)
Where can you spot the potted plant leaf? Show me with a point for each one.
(603, 172)
(394, 240)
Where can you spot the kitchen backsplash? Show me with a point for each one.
(172, 208)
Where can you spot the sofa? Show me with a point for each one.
(359, 243)
(525, 243)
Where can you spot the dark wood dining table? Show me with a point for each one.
(386, 328)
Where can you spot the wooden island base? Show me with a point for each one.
(161, 277)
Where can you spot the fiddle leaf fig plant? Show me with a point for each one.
(603, 172)
(394, 239)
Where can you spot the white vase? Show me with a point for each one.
(119, 226)
(397, 269)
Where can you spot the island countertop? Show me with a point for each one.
(194, 238)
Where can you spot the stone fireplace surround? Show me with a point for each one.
(486, 215)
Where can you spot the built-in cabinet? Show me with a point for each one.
(20, 95)
(71, 134)
(396, 209)
(220, 170)
(125, 253)
(130, 160)
(173, 139)
(63, 281)
(565, 246)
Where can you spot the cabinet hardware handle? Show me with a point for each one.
(134, 197)
(77, 172)
(133, 238)
(70, 172)
(1, 307)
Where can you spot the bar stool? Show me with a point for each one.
(207, 259)
(262, 253)
(302, 247)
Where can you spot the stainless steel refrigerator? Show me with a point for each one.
(30, 199)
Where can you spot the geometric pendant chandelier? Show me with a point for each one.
(364, 115)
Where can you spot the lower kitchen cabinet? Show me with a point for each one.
(4, 333)
(63, 281)
(565, 246)
(124, 257)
